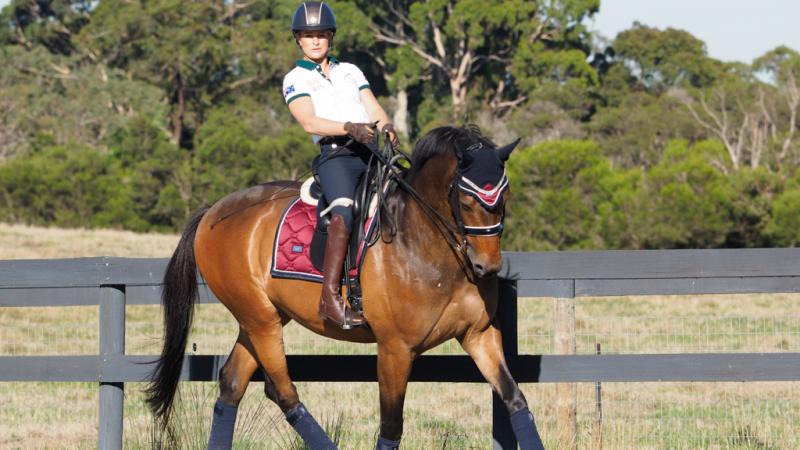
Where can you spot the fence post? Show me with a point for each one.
(566, 393)
(502, 434)
(112, 342)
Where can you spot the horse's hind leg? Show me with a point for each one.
(486, 349)
(266, 337)
(233, 380)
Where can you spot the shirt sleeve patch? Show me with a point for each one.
(288, 91)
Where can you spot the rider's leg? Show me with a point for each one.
(338, 179)
(486, 349)
(331, 304)
(338, 172)
(233, 379)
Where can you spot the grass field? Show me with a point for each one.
(455, 416)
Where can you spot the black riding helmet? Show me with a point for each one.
(313, 16)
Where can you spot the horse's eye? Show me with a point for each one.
(466, 207)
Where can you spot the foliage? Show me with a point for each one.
(558, 189)
(668, 58)
(49, 23)
(65, 186)
(232, 153)
(132, 114)
(57, 96)
(688, 200)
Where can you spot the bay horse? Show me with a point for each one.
(433, 279)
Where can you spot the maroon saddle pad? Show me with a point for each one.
(291, 254)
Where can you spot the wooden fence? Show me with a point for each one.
(113, 283)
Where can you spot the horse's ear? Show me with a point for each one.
(504, 152)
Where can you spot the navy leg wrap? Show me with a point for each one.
(386, 444)
(307, 427)
(525, 430)
(222, 426)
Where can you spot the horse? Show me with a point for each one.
(431, 278)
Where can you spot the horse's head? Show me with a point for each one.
(479, 202)
(476, 189)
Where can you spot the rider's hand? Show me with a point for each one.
(360, 132)
(389, 129)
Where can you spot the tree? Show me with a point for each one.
(663, 59)
(636, 132)
(470, 44)
(155, 173)
(756, 121)
(783, 64)
(562, 199)
(50, 23)
(67, 100)
(234, 150)
(688, 200)
(182, 47)
(61, 185)
(783, 228)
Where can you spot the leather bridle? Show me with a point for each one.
(454, 231)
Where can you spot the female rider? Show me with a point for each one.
(333, 102)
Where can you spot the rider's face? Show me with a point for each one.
(315, 44)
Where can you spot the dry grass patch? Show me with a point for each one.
(29, 242)
(438, 415)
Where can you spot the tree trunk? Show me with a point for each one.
(400, 117)
(458, 91)
(177, 121)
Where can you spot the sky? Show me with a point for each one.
(733, 30)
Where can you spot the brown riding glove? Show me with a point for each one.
(360, 132)
(389, 129)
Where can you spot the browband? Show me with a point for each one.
(488, 198)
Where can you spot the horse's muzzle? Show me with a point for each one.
(482, 266)
(486, 271)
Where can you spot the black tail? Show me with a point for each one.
(178, 297)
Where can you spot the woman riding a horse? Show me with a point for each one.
(434, 280)
(333, 102)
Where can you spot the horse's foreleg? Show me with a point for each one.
(233, 380)
(394, 367)
(486, 349)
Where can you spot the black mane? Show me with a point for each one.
(447, 140)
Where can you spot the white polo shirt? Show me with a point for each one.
(335, 97)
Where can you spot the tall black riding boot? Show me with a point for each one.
(331, 305)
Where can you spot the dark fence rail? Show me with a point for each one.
(113, 283)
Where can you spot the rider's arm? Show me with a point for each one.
(302, 109)
(374, 109)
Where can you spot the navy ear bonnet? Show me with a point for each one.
(482, 173)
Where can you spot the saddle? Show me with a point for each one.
(302, 232)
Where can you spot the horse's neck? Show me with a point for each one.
(419, 237)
